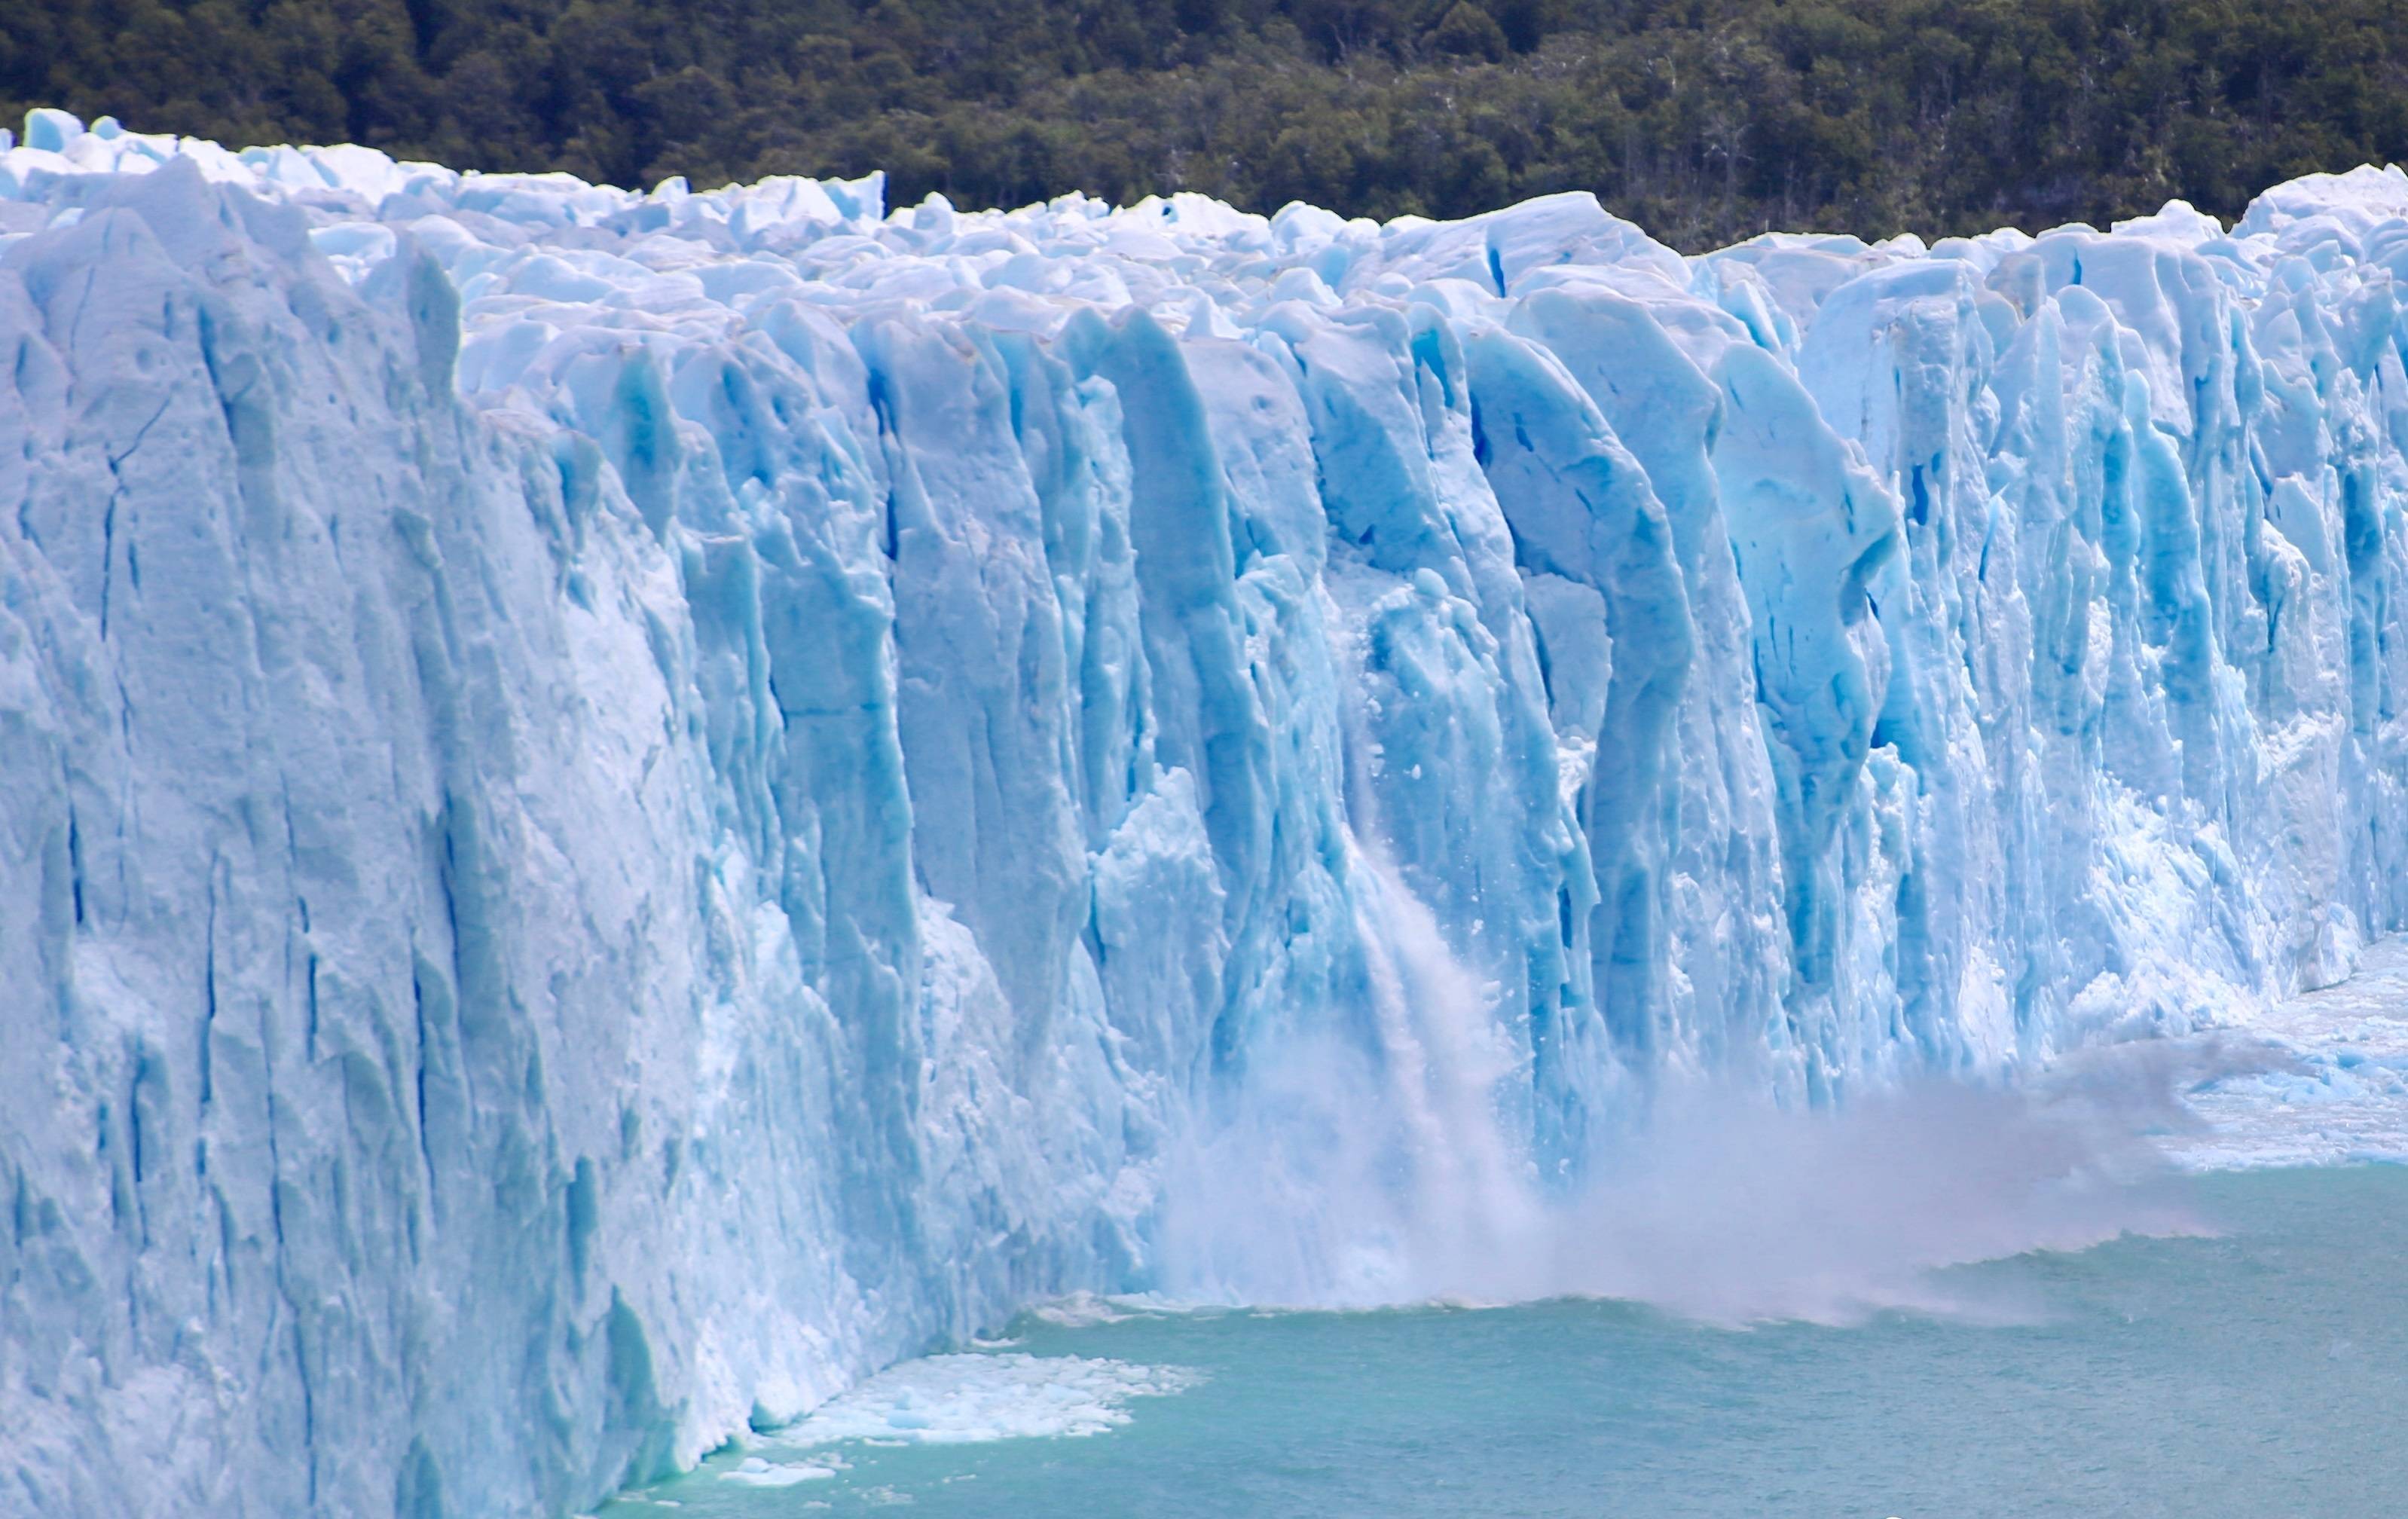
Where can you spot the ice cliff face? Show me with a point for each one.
(615, 808)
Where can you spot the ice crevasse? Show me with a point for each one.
(617, 808)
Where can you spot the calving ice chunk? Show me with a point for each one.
(619, 808)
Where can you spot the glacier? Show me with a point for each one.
(618, 809)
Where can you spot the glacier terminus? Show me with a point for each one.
(620, 809)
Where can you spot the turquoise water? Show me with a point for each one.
(2260, 1372)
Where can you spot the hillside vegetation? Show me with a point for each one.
(1704, 121)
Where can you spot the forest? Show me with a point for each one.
(1705, 120)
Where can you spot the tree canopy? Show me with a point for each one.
(1704, 121)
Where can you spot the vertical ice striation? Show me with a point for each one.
(616, 808)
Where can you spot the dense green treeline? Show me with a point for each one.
(1703, 120)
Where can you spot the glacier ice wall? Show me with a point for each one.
(616, 808)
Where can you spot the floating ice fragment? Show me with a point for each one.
(756, 1472)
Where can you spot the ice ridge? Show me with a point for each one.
(617, 808)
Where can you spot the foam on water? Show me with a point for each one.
(970, 1398)
(1080, 1310)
